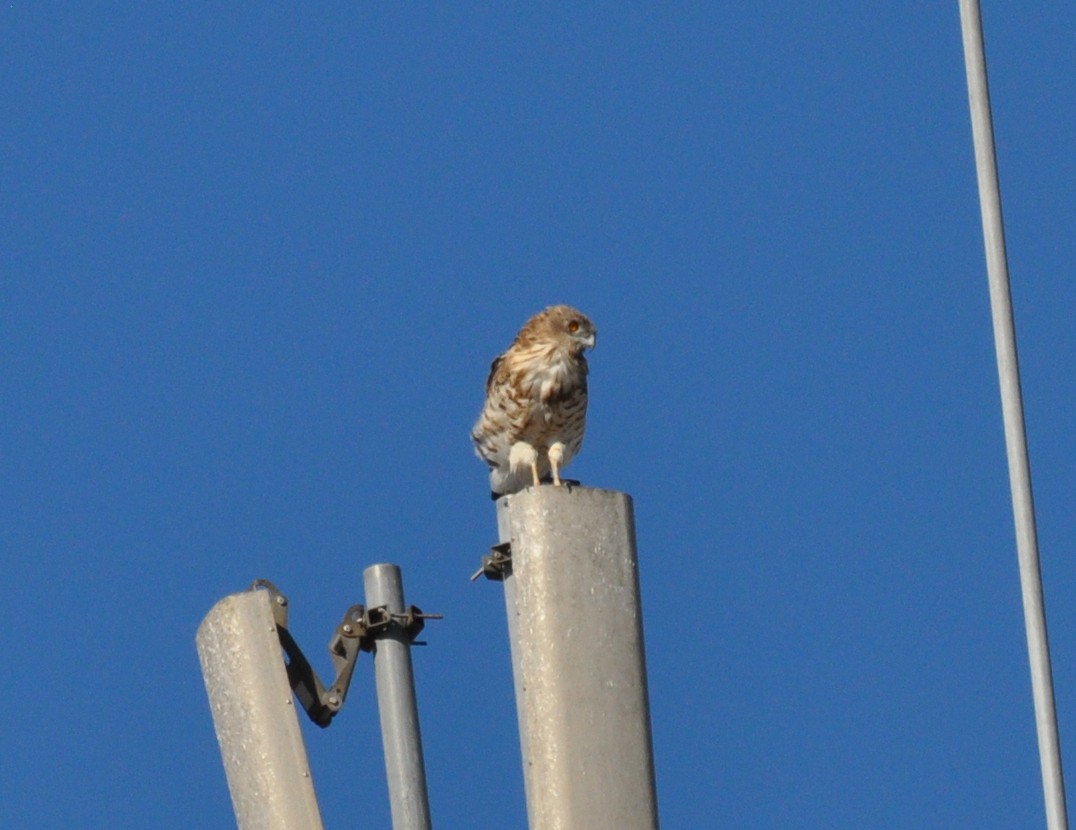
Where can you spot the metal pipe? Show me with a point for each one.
(1027, 548)
(396, 703)
(578, 662)
(254, 716)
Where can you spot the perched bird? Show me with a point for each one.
(536, 401)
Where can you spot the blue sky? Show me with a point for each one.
(254, 264)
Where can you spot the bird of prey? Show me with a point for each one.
(536, 401)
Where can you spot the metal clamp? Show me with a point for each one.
(497, 564)
(380, 622)
(358, 631)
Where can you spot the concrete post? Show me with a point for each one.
(254, 715)
(576, 635)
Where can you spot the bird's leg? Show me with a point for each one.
(556, 455)
(521, 455)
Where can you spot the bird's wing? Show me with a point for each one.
(493, 367)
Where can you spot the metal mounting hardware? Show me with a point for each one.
(497, 564)
(379, 623)
(358, 631)
(413, 621)
(319, 703)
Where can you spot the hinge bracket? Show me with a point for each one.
(358, 631)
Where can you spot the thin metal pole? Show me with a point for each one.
(396, 703)
(575, 627)
(1013, 413)
(254, 715)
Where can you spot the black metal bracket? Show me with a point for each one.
(358, 631)
(497, 564)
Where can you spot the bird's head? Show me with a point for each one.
(571, 328)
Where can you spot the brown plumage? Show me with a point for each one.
(536, 401)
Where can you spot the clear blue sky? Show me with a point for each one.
(254, 265)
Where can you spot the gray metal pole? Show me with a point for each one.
(396, 703)
(1027, 548)
(254, 715)
(576, 635)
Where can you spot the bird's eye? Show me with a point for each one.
(573, 326)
